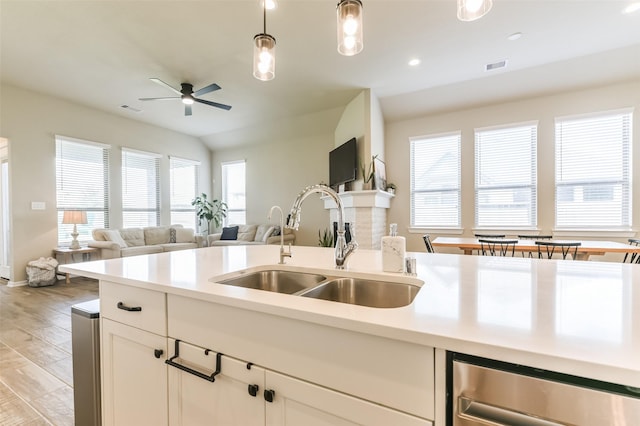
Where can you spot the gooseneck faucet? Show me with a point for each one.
(343, 250)
(283, 252)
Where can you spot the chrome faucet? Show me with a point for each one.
(343, 250)
(283, 252)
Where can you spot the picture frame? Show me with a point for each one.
(379, 174)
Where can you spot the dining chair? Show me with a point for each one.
(427, 242)
(490, 235)
(563, 247)
(633, 257)
(533, 237)
(497, 247)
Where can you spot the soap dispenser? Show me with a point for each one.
(393, 250)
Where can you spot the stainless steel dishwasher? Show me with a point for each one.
(85, 343)
(485, 392)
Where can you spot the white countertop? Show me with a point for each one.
(576, 317)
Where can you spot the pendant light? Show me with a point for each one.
(349, 27)
(264, 52)
(470, 10)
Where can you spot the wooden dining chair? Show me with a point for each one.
(497, 247)
(533, 237)
(633, 257)
(427, 243)
(560, 247)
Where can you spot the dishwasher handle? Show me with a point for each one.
(490, 414)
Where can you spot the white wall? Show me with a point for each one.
(279, 167)
(544, 109)
(30, 121)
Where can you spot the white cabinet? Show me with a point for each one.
(133, 354)
(296, 402)
(134, 376)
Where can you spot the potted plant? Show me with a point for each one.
(368, 173)
(208, 211)
(325, 239)
(391, 188)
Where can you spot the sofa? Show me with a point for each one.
(250, 235)
(114, 243)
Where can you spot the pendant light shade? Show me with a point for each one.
(349, 13)
(470, 10)
(264, 52)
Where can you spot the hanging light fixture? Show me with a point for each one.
(349, 27)
(470, 10)
(264, 52)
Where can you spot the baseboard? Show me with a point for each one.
(16, 283)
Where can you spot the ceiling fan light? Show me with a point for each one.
(349, 16)
(187, 100)
(470, 10)
(264, 57)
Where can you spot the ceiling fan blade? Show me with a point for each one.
(187, 110)
(209, 88)
(213, 104)
(162, 83)
(158, 99)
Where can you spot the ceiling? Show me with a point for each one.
(102, 53)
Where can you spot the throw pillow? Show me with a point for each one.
(172, 235)
(184, 235)
(268, 233)
(276, 231)
(229, 233)
(261, 231)
(115, 237)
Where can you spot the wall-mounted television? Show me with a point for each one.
(343, 163)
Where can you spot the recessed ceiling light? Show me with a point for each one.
(514, 36)
(414, 62)
(633, 7)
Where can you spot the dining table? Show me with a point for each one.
(586, 249)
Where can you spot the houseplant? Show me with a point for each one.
(391, 188)
(325, 239)
(208, 211)
(367, 173)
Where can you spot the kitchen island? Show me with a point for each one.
(578, 318)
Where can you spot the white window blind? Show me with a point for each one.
(593, 171)
(140, 188)
(82, 183)
(183, 180)
(234, 191)
(435, 181)
(505, 183)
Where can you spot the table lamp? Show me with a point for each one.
(74, 217)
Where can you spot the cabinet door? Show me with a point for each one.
(227, 401)
(134, 380)
(301, 403)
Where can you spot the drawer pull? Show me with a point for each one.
(211, 378)
(129, 308)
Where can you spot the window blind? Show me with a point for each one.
(435, 181)
(593, 170)
(82, 183)
(234, 191)
(183, 181)
(140, 189)
(505, 176)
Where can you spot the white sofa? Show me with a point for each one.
(125, 242)
(253, 234)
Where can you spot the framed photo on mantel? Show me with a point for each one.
(380, 175)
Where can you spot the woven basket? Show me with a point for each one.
(40, 273)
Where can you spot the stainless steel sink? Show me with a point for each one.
(365, 292)
(287, 282)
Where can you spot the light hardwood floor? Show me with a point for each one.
(36, 373)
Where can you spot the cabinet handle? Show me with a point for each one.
(129, 308)
(253, 390)
(269, 394)
(158, 353)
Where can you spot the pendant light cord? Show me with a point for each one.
(264, 16)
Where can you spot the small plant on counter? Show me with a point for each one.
(391, 188)
(209, 211)
(325, 239)
(368, 173)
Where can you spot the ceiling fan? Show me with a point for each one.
(188, 96)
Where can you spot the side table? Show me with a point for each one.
(87, 254)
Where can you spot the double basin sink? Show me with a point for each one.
(357, 291)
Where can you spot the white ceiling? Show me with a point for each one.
(102, 54)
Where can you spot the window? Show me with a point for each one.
(82, 183)
(435, 181)
(183, 180)
(140, 189)
(505, 184)
(593, 170)
(234, 192)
